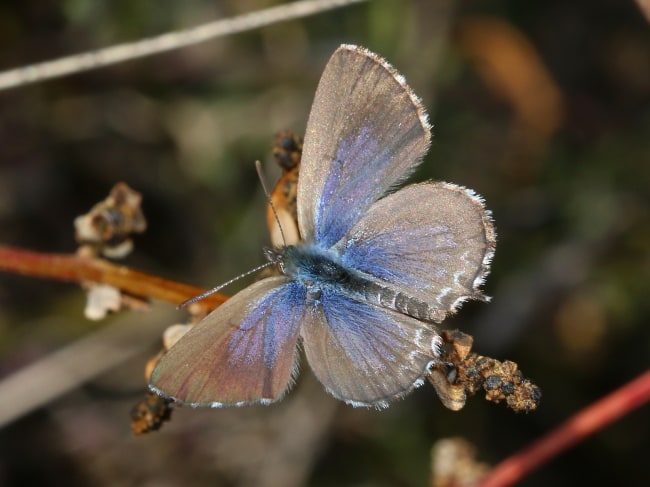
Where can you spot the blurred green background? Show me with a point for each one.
(542, 107)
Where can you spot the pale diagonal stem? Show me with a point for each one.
(165, 42)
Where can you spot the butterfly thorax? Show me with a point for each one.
(319, 270)
(311, 266)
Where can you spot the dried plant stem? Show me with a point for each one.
(593, 418)
(61, 371)
(74, 268)
(165, 42)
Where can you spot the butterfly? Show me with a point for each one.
(374, 273)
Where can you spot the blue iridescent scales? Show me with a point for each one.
(374, 273)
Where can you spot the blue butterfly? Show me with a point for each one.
(375, 269)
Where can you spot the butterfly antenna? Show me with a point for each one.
(221, 286)
(260, 175)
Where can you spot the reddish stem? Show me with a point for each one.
(581, 425)
(71, 267)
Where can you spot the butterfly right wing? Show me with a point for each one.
(366, 132)
(244, 352)
(430, 241)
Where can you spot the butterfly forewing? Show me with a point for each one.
(366, 132)
(366, 355)
(243, 352)
(432, 241)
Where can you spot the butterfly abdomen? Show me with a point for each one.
(376, 292)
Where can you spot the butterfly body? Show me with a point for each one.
(374, 270)
(320, 270)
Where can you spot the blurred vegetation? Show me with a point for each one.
(541, 107)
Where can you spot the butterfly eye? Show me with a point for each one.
(271, 255)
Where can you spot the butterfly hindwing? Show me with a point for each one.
(366, 355)
(243, 352)
(366, 132)
(432, 241)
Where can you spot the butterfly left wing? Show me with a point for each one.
(431, 241)
(366, 355)
(244, 352)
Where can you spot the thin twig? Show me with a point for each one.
(50, 377)
(74, 268)
(586, 422)
(165, 42)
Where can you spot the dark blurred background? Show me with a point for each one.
(543, 107)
